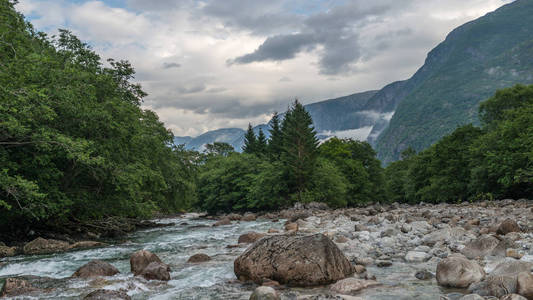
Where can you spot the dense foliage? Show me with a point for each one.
(74, 142)
(494, 161)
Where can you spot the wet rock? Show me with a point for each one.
(141, 259)
(264, 293)
(480, 247)
(86, 245)
(156, 271)
(250, 237)
(424, 275)
(95, 268)
(459, 272)
(507, 226)
(102, 294)
(365, 261)
(513, 253)
(16, 287)
(351, 285)
(496, 286)
(359, 269)
(234, 217)
(272, 230)
(199, 258)
(383, 263)
(44, 246)
(225, 221)
(415, 256)
(291, 227)
(512, 267)
(295, 259)
(249, 217)
(7, 251)
(472, 297)
(525, 285)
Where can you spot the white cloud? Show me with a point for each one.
(201, 92)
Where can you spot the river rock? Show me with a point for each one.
(512, 267)
(513, 297)
(525, 285)
(459, 272)
(95, 268)
(250, 237)
(424, 275)
(225, 221)
(141, 259)
(291, 227)
(44, 246)
(480, 247)
(234, 217)
(16, 287)
(264, 293)
(249, 217)
(86, 245)
(198, 258)
(295, 259)
(507, 226)
(102, 294)
(156, 271)
(496, 286)
(415, 256)
(472, 297)
(351, 285)
(7, 251)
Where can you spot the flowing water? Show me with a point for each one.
(211, 280)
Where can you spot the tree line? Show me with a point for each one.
(76, 145)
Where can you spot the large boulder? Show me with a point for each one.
(525, 285)
(95, 268)
(351, 285)
(456, 271)
(480, 247)
(156, 271)
(250, 237)
(513, 297)
(507, 226)
(139, 260)
(107, 295)
(294, 259)
(264, 293)
(16, 287)
(496, 286)
(446, 234)
(512, 267)
(44, 246)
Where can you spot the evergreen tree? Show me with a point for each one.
(261, 146)
(250, 141)
(299, 149)
(275, 142)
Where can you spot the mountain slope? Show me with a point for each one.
(475, 60)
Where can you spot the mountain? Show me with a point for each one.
(476, 59)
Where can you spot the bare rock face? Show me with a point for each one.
(507, 226)
(525, 285)
(352, 285)
(480, 247)
(139, 260)
(44, 246)
(156, 271)
(198, 258)
(16, 287)
(95, 268)
(295, 259)
(107, 295)
(264, 293)
(250, 237)
(458, 272)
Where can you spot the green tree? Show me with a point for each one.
(250, 141)
(299, 150)
(261, 143)
(219, 148)
(275, 143)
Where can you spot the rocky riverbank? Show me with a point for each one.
(466, 251)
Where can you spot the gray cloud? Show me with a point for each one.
(170, 65)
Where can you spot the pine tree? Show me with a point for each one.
(250, 141)
(261, 146)
(275, 142)
(299, 148)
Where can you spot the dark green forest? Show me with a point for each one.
(76, 145)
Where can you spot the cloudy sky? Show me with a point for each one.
(223, 63)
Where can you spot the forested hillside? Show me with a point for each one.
(74, 142)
